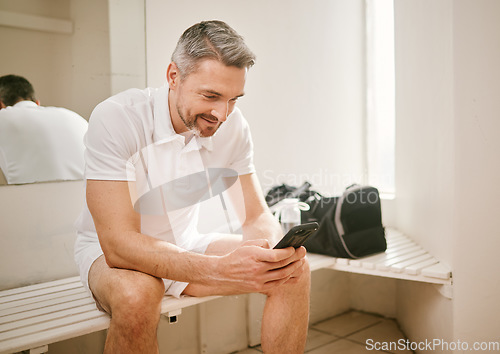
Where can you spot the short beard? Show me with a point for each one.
(190, 125)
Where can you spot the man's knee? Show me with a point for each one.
(137, 308)
(139, 296)
(301, 283)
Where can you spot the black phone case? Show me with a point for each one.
(297, 235)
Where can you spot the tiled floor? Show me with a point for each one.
(351, 333)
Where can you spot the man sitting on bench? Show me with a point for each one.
(147, 155)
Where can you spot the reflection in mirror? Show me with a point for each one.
(76, 53)
(37, 143)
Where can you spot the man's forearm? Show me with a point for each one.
(157, 257)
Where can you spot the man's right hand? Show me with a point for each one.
(254, 267)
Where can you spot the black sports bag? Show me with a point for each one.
(350, 226)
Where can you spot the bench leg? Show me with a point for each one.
(39, 350)
(445, 289)
(172, 316)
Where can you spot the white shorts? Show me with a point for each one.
(88, 249)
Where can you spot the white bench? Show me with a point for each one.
(34, 316)
(403, 259)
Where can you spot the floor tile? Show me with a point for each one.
(343, 346)
(348, 323)
(356, 328)
(386, 334)
(316, 339)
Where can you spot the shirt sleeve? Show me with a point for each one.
(111, 143)
(242, 161)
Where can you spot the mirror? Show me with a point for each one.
(75, 53)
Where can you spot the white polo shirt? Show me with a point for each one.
(131, 138)
(39, 144)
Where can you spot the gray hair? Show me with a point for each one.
(211, 40)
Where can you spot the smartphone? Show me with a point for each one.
(297, 235)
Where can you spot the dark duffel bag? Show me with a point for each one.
(350, 226)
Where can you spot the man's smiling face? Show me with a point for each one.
(203, 100)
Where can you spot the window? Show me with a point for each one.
(380, 112)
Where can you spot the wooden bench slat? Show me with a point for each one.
(397, 252)
(369, 260)
(318, 261)
(372, 262)
(82, 324)
(403, 246)
(33, 287)
(400, 246)
(45, 319)
(438, 270)
(400, 258)
(415, 269)
(398, 267)
(386, 274)
(25, 301)
(399, 241)
(45, 303)
(70, 318)
(35, 293)
(403, 259)
(46, 310)
(78, 327)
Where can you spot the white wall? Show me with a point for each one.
(127, 44)
(424, 114)
(304, 97)
(89, 79)
(476, 240)
(447, 85)
(424, 154)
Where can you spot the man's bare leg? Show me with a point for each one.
(286, 313)
(133, 299)
(286, 316)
